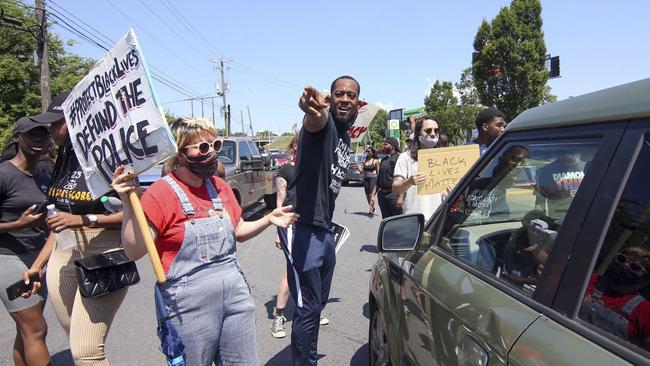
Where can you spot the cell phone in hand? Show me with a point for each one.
(14, 291)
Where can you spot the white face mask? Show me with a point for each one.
(427, 142)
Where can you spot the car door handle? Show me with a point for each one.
(470, 352)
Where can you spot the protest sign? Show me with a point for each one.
(445, 166)
(367, 112)
(114, 117)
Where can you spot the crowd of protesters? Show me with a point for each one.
(205, 210)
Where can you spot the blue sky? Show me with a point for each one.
(396, 49)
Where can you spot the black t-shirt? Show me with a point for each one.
(18, 191)
(288, 173)
(68, 190)
(323, 159)
(386, 170)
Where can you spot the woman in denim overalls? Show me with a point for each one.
(196, 219)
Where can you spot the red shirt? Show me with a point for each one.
(164, 212)
(639, 319)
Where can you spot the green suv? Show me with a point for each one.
(555, 271)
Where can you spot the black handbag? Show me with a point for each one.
(104, 273)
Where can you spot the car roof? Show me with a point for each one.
(621, 102)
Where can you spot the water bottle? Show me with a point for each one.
(65, 239)
(111, 204)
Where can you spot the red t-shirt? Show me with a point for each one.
(164, 212)
(639, 319)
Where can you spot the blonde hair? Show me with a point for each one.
(184, 130)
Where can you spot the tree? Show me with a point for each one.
(287, 133)
(239, 134)
(377, 129)
(19, 75)
(508, 62)
(470, 104)
(265, 134)
(443, 105)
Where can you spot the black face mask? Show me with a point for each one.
(618, 275)
(204, 165)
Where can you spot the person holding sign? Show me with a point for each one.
(195, 219)
(406, 172)
(22, 234)
(95, 230)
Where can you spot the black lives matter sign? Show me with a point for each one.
(114, 119)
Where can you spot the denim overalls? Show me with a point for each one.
(206, 295)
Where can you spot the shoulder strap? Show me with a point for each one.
(631, 305)
(182, 197)
(214, 195)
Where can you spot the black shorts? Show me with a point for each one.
(369, 184)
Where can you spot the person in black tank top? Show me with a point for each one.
(370, 168)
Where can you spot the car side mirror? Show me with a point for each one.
(400, 233)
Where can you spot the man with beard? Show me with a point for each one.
(613, 301)
(322, 161)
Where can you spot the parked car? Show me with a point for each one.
(354, 174)
(551, 272)
(281, 158)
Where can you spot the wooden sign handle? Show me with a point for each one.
(148, 239)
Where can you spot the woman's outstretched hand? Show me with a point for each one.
(124, 182)
(283, 216)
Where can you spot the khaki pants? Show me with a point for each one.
(86, 321)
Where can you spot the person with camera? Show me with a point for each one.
(22, 235)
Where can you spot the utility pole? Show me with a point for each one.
(202, 114)
(223, 88)
(250, 121)
(192, 104)
(214, 121)
(241, 116)
(46, 93)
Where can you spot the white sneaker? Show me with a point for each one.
(324, 320)
(277, 329)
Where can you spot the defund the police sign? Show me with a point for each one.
(114, 118)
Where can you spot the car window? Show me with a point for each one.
(253, 149)
(616, 300)
(244, 151)
(227, 153)
(507, 218)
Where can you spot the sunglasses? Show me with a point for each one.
(634, 267)
(429, 130)
(204, 146)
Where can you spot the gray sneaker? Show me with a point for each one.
(324, 320)
(277, 329)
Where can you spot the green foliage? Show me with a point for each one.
(377, 129)
(456, 120)
(239, 134)
(19, 73)
(508, 66)
(287, 133)
(265, 134)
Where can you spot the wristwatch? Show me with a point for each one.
(91, 220)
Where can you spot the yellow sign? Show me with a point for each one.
(445, 166)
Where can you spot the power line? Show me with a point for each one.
(106, 43)
(154, 38)
(189, 27)
(173, 31)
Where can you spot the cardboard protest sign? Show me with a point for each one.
(114, 117)
(367, 112)
(445, 166)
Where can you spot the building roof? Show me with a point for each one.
(627, 101)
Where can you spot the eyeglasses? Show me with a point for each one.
(634, 267)
(429, 130)
(204, 146)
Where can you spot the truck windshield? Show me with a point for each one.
(227, 153)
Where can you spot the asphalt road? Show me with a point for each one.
(132, 339)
